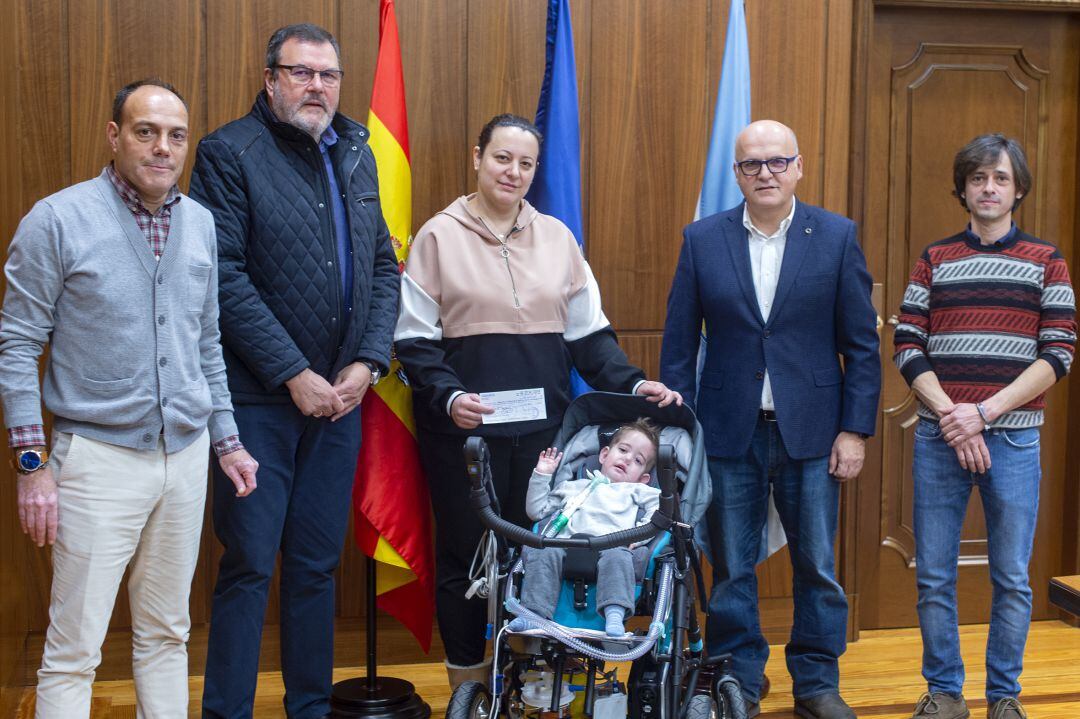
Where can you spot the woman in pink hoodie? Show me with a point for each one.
(496, 296)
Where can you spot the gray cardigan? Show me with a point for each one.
(134, 345)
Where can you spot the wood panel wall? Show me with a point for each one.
(647, 74)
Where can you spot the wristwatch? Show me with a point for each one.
(376, 373)
(30, 459)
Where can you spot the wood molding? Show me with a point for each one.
(1046, 5)
(897, 531)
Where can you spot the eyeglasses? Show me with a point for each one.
(304, 75)
(776, 165)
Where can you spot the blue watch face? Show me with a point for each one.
(29, 461)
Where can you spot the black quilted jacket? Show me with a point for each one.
(280, 288)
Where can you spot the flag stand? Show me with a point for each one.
(376, 697)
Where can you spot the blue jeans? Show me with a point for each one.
(300, 509)
(1010, 498)
(807, 499)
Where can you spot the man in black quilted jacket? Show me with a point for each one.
(309, 295)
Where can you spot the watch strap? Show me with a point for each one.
(376, 373)
(40, 456)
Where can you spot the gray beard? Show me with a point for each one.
(292, 116)
(314, 129)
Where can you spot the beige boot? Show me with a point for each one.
(476, 673)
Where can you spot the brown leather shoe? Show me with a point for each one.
(766, 685)
(824, 706)
(1007, 708)
(938, 705)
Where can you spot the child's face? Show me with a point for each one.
(626, 459)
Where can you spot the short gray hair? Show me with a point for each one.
(302, 32)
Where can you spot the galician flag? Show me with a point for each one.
(720, 191)
(390, 497)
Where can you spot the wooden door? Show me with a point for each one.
(935, 78)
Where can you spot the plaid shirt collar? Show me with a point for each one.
(130, 195)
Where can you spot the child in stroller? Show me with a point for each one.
(615, 498)
(670, 677)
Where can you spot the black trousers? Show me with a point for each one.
(458, 530)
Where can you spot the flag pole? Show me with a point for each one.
(372, 658)
(388, 456)
(373, 696)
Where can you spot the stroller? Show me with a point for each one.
(670, 677)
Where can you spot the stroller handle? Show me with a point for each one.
(481, 497)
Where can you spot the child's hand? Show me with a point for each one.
(548, 461)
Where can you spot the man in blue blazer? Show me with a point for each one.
(784, 293)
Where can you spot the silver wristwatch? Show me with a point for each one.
(376, 373)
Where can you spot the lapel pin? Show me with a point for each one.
(808, 230)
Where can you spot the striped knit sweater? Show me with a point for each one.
(978, 316)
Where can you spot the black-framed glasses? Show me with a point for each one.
(776, 165)
(304, 75)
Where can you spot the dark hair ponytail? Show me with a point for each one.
(507, 120)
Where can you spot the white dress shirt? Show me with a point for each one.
(766, 257)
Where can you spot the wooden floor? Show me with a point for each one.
(879, 677)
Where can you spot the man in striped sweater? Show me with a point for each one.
(987, 325)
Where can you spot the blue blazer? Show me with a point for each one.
(822, 312)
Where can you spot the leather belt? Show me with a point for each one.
(767, 414)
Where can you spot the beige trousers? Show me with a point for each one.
(121, 507)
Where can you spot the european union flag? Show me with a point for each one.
(556, 188)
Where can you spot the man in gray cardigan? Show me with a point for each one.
(118, 276)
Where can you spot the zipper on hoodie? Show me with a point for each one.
(504, 250)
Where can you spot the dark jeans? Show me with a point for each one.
(1010, 497)
(807, 499)
(300, 508)
(458, 530)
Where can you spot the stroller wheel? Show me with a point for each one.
(702, 707)
(729, 698)
(471, 700)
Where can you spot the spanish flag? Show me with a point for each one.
(390, 498)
